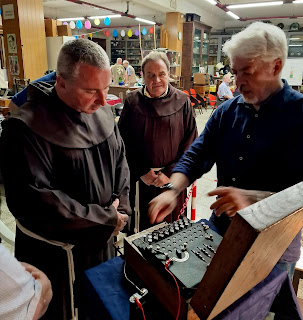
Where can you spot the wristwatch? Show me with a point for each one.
(169, 186)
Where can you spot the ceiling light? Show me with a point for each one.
(232, 15)
(146, 21)
(103, 17)
(71, 19)
(257, 4)
(294, 38)
(212, 1)
(295, 45)
(298, 1)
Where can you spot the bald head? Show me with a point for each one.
(226, 78)
(119, 61)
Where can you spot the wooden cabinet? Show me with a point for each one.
(195, 50)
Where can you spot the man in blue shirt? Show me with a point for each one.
(224, 91)
(255, 139)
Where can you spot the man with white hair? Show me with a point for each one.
(224, 91)
(118, 73)
(255, 139)
(130, 74)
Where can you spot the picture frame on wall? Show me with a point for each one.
(11, 43)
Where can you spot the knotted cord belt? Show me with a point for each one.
(71, 270)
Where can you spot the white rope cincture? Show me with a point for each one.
(71, 269)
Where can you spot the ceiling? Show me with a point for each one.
(156, 10)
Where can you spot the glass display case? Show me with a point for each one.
(195, 49)
(130, 50)
(295, 45)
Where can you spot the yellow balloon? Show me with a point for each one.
(97, 22)
(129, 33)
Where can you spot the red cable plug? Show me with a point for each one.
(140, 306)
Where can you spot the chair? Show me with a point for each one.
(194, 101)
(213, 102)
(201, 100)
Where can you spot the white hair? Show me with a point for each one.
(259, 39)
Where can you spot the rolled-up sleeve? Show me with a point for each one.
(19, 291)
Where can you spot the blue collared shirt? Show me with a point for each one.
(224, 90)
(254, 150)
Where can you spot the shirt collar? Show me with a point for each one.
(145, 92)
(276, 98)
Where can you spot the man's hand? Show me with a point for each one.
(149, 177)
(231, 200)
(122, 218)
(162, 206)
(161, 180)
(46, 289)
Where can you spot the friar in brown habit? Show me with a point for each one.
(65, 172)
(157, 125)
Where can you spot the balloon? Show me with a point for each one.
(144, 32)
(72, 25)
(115, 33)
(129, 33)
(82, 36)
(87, 24)
(97, 33)
(151, 30)
(79, 24)
(107, 21)
(91, 35)
(107, 33)
(136, 32)
(65, 23)
(122, 33)
(75, 37)
(97, 21)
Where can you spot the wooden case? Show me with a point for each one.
(252, 245)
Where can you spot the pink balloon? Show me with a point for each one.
(87, 24)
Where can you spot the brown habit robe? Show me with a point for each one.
(62, 169)
(156, 133)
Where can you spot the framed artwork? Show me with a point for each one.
(13, 65)
(11, 43)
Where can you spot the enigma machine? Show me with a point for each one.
(200, 273)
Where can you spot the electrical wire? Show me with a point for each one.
(179, 297)
(140, 290)
(140, 306)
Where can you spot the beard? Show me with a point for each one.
(251, 100)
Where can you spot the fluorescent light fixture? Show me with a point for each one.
(212, 1)
(257, 4)
(146, 21)
(232, 15)
(103, 17)
(294, 39)
(298, 1)
(71, 19)
(295, 45)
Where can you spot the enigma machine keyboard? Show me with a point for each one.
(190, 247)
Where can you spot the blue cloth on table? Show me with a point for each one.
(274, 291)
(106, 279)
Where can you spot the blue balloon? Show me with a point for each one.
(115, 33)
(107, 21)
(144, 32)
(75, 37)
(79, 24)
